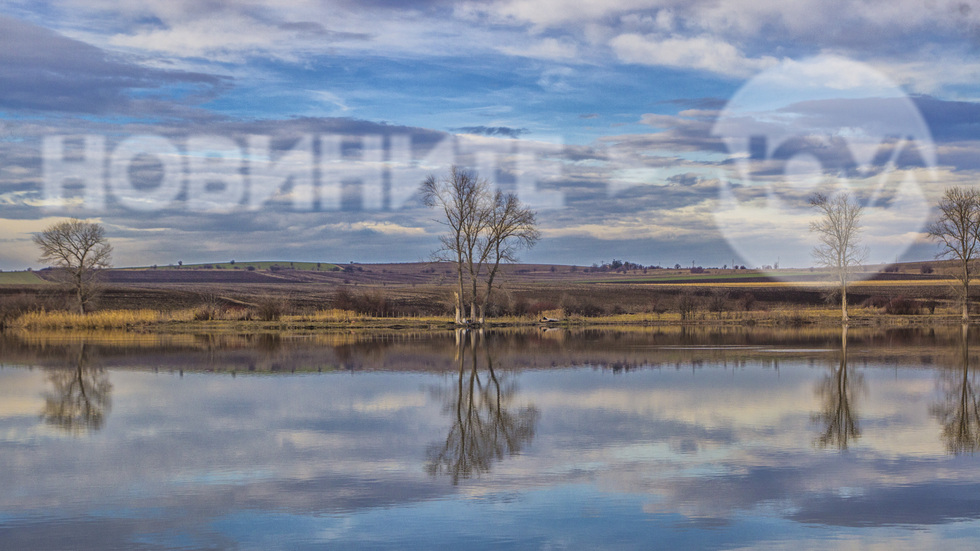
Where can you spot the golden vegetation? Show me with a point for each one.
(106, 319)
(243, 319)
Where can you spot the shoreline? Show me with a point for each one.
(144, 321)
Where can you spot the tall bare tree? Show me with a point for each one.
(460, 197)
(485, 229)
(80, 249)
(958, 232)
(838, 229)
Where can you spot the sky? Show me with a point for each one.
(656, 131)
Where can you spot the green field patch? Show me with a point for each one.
(21, 278)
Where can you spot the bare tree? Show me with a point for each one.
(512, 226)
(838, 230)
(459, 197)
(958, 231)
(485, 229)
(80, 249)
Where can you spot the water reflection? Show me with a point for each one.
(685, 437)
(485, 428)
(80, 395)
(959, 410)
(838, 393)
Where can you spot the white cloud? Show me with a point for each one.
(383, 227)
(701, 52)
(330, 98)
(548, 13)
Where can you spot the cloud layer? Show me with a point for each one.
(630, 91)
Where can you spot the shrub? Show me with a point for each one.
(687, 305)
(582, 306)
(519, 306)
(373, 304)
(902, 306)
(270, 309)
(13, 306)
(718, 302)
(746, 301)
(926, 269)
(210, 309)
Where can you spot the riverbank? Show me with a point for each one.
(196, 321)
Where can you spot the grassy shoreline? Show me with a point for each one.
(189, 321)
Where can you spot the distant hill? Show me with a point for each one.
(443, 273)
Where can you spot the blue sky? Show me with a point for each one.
(631, 92)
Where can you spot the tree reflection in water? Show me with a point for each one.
(484, 427)
(838, 394)
(80, 395)
(959, 411)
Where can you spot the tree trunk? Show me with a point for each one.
(843, 303)
(473, 317)
(459, 311)
(966, 296)
(459, 292)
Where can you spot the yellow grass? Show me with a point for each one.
(106, 319)
(332, 315)
(233, 320)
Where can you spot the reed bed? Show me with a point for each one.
(105, 319)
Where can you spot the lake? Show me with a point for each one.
(631, 438)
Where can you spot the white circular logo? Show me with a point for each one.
(825, 125)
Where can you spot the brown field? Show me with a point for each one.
(525, 291)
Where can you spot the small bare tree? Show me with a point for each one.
(838, 229)
(80, 249)
(512, 226)
(958, 232)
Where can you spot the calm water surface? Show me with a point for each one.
(638, 439)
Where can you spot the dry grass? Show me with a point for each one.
(106, 319)
(334, 315)
(241, 319)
